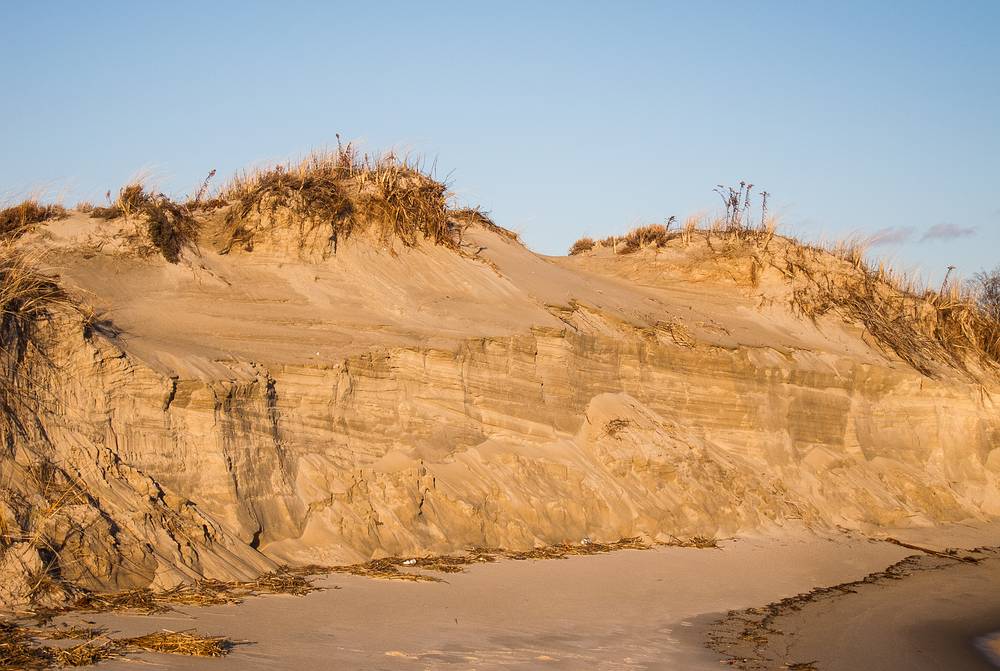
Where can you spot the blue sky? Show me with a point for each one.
(563, 119)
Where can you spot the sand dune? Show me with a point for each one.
(219, 390)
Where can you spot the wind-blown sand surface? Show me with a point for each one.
(625, 610)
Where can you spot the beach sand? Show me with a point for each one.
(935, 617)
(625, 610)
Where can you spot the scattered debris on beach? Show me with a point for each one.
(388, 568)
(21, 647)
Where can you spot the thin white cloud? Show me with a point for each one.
(947, 232)
(892, 235)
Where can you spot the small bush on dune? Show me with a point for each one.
(580, 246)
(17, 219)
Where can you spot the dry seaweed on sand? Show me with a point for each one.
(588, 547)
(178, 643)
(205, 592)
(702, 542)
(140, 600)
(66, 632)
(391, 568)
(385, 569)
(20, 647)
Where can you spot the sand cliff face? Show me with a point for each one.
(239, 410)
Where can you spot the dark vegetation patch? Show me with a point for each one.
(18, 219)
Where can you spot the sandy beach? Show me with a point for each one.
(937, 614)
(625, 610)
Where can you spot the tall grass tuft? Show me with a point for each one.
(18, 219)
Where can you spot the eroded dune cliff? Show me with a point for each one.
(314, 399)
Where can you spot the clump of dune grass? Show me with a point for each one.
(18, 219)
(130, 200)
(654, 235)
(314, 192)
(337, 194)
(26, 296)
(582, 245)
(170, 225)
